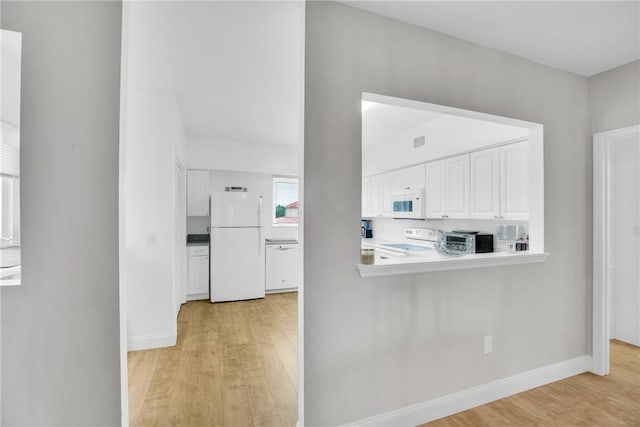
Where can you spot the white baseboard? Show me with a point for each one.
(480, 395)
(196, 297)
(151, 341)
(281, 291)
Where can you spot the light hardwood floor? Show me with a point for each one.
(235, 364)
(583, 400)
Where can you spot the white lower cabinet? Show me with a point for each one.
(283, 270)
(198, 287)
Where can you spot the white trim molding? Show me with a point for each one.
(600, 289)
(415, 265)
(149, 342)
(480, 395)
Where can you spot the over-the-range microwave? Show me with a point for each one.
(408, 204)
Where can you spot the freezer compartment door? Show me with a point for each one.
(235, 209)
(237, 264)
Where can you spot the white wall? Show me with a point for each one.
(149, 186)
(255, 182)
(445, 136)
(60, 329)
(379, 344)
(614, 98)
(625, 239)
(155, 141)
(209, 153)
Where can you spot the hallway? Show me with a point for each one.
(235, 364)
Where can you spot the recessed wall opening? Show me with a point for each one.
(211, 212)
(443, 184)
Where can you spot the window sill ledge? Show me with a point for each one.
(414, 264)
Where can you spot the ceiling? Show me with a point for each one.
(235, 68)
(382, 122)
(392, 125)
(582, 37)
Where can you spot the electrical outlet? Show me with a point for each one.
(488, 344)
(151, 239)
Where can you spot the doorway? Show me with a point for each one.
(616, 242)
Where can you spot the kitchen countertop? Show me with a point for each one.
(388, 262)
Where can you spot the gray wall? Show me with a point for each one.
(374, 345)
(60, 329)
(614, 98)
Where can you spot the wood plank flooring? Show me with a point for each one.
(235, 364)
(583, 400)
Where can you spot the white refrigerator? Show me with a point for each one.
(237, 246)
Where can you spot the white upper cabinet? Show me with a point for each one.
(436, 189)
(514, 181)
(411, 178)
(366, 197)
(197, 193)
(376, 188)
(389, 187)
(485, 184)
(448, 188)
(458, 187)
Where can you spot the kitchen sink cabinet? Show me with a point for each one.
(197, 193)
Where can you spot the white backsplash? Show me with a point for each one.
(390, 229)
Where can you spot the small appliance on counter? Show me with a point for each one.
(366, 229)
(483, 242)
(462, 242)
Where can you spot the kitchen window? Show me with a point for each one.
(285, 201)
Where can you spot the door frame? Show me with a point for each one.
(601, 246)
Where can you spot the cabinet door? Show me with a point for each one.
(458, 187)
(198, 275)
(411, 178)
(485, 184)
(366, 197)
(514, 181)
(198, 193)
(376, 186)
(388, 188)
(435, 189)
